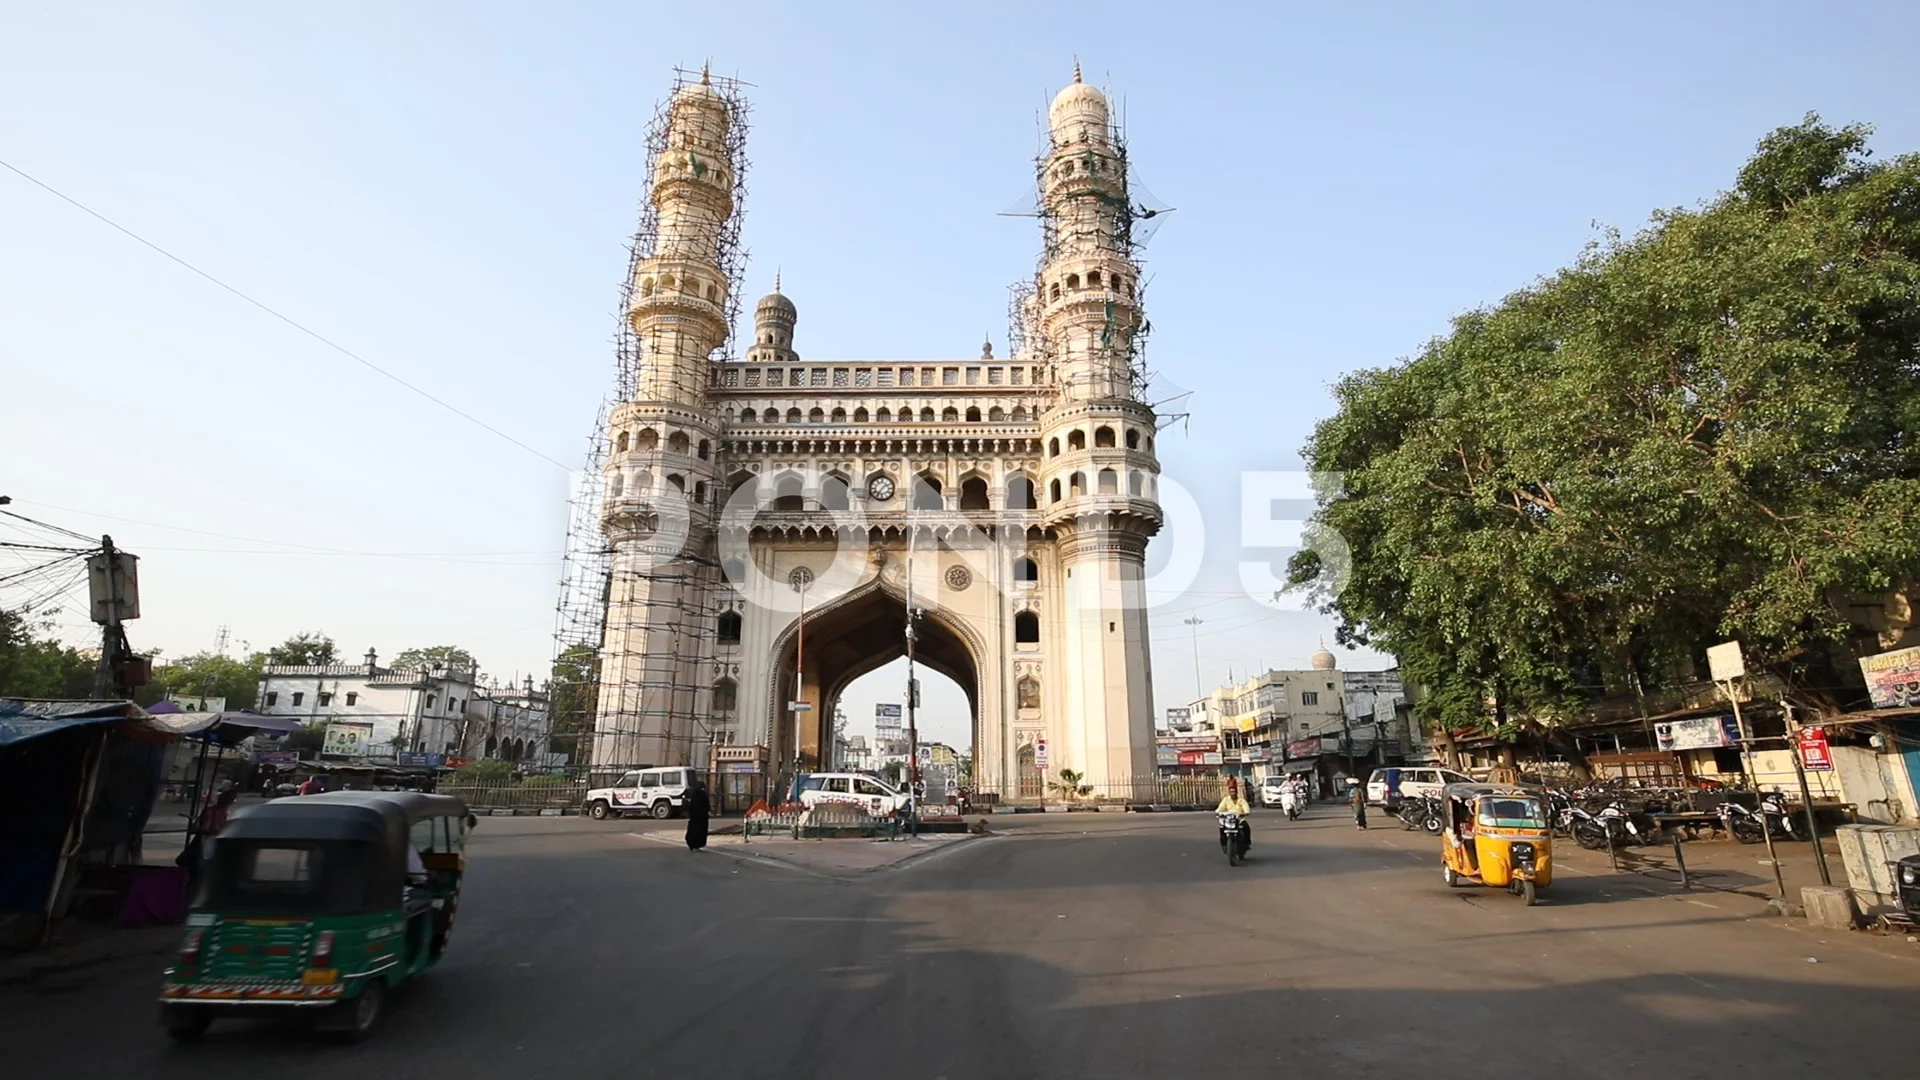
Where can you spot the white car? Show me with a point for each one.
(1270, 790)
(659, 792)
(870, 793)
(1413, 781)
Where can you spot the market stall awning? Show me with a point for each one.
(1301, 765)
(227, 726)
(28, 718)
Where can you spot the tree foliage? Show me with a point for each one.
(306, 649)
(452, 656)
(209, 674)
(1705, 431)
(34, 664)
(573, 694)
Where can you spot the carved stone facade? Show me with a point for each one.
(1018, 494)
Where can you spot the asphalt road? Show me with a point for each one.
(1068, 946)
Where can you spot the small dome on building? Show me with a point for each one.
(1323, 660)
(1078, 113)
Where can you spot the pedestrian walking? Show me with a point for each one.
(1357, 795)
(697, 810)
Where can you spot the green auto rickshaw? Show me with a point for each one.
(319, 903)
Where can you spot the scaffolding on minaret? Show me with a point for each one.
(594, 595)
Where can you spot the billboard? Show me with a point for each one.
(1893, 678)
(1179, 719)
(1698, 733)
(347, 740)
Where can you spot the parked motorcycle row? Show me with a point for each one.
(1599, 817)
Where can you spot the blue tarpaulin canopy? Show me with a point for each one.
(26, 718)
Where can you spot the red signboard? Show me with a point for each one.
(1814, 753)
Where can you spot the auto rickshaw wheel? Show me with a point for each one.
(1452, 878)
(1527, 892)
(186, 1023)
(362, 1011)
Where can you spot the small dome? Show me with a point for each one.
(1323, 661)
(1079, 110)
(774, 301)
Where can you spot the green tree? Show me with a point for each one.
(303, 650)
(307, 741)
(432, 655)
(34, 664)
(1700, 432)
(572, 698)
(209, 674)
(1066, 784)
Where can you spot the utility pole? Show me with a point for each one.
(115, 597)
(1198, 690)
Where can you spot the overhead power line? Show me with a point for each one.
(314, 334)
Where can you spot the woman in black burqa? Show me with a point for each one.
(697, 808)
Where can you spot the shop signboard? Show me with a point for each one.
(1166, 755)
(347, 740)
(1303, 748)
(1190, 742)
(417, 761)
(1179, 719)
(1815, 755)
(1256, 755)
(1893, 678)
(277, 757)
(1697, 733)
(1196, 757)
(739, 766)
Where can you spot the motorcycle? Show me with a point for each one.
(1751, 827)
(1233, 838)
(1421, 812)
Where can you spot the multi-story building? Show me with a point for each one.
(776, 526)
(439, 712)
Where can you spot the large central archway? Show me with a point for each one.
(846, 639)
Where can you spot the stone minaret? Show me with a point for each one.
(660, 465)
(1099, 476)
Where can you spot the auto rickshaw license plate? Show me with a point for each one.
(320, 977)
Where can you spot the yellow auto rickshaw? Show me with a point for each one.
(1496, 835)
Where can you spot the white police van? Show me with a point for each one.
(659, 792)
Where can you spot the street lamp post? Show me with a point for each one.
(1195, 621)
(801, 578)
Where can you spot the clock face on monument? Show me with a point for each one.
(880, 488)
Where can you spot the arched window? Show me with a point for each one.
(1025, 569)
(1109, 482)
(727, 631)
(973, 414)
(884, 416)
(1026, 628)
(835, 494)
(1103, 436)
(1076, 440)
(725, 695)
(1027, 692)
(620, 443)
(678, 442)
(1056, 291)
(646, 289)
(1149, 444)
(1136, 486)
(926, 493)
(1055, 492)
(996, 414)
(1133, 439)
(1019, 413)
(793, 416)
(817, 416)
(860, 415)
(619, 486)
(647, 440)
(973, 494)
(926, 416)
(713, 293)
(839, 416)
(950, 414)
(679, 482)
(705, 450)
(1077, 483)
(1093, 279)
(789, 494)
(700, 492)
(1073, 281)
(748, 416)
(1053, 447)
(1020, 492)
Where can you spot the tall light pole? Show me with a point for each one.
(913, 689)
(1195, 621)
(800, 578)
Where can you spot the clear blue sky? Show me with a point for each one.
(446, 189)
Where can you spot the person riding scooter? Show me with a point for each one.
(1233, 803)
(1291, 798)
